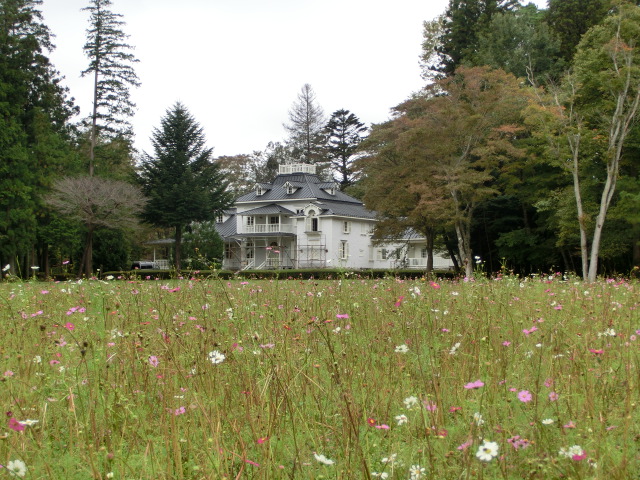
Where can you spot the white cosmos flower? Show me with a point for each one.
(383, 475)
(477, 418)
(410, 402)
(487, 451)
(322, 459)
(402, 348)
(401, 419)
(416, 472)
(17, 468)
(6, 267)
(548, 421)
(216, 357)
(28, 422)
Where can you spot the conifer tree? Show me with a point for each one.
(181, 180)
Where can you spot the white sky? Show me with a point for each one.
(238, 65)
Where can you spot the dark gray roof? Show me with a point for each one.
(308, 187)
(267, 210)
(228, 227)
(345, 210)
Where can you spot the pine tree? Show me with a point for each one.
(110, 63)
(181, 180)
(344, 132)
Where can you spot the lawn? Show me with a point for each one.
(350, 378)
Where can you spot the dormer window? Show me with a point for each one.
(331, 189)
(219, 218)
(290, 189)
(260, 191)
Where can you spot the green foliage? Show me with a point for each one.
(344, 132)
(571, 19)
(34, 112)
(203, 245)
(181, 180)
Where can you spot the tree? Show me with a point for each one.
(34, 131)
(97, 203)
(306, 127)
(464, 22)
(110, 63)
(182, 182)
(521, 43)
(344, 132)
(571, 19)
(607, 68)
(446, 146)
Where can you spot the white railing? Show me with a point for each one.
(296, 168)
(267, 228)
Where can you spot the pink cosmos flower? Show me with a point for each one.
(382, 427)
(15, 425)
(153, 361)
(473, 385)
(553, 396)
(525, 396)
(342, 315)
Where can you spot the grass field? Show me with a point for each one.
(301, 379)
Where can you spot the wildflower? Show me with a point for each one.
(28, 422)
(216, 357)
(464, 446)
(525, 396)
(410, 402)
(6, 267)
(402, 348)
(454, 349)
(547, 421)
(474, 385)
(371, 421)
(15, 425)
(180, 411)
(17, 468)
(416, 472)
(390, 459)
(573, 451)
(553, 396)
(487, 451)
(477, 419)
(401, 419)
(383, 475)
(153, 361)
(342, 315)
(506, 343)
(382, 426)
(322, 459)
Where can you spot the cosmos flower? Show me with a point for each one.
(216, 357)
(487, 451)
(322, 459)
(17, 468)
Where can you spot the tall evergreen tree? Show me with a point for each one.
(464, 22)
(570, 19)
(34, 112)
(344, 132)
(110, 64)
(181, 180)
(305, 127)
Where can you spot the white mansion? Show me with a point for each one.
(299, 221)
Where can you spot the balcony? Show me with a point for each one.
(267, 228)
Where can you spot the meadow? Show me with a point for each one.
(350, 378)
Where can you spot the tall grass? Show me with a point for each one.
(344, 379)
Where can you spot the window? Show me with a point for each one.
(219, 219)
(249, 247)
(346, 227)
(343, 250)
(250, 221)
(260, 191)
(290, 189)
(423, 253)
(274, 220)
(312, 223)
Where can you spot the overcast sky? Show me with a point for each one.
(238, 65)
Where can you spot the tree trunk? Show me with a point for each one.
(178, 248)
(464, 247)
(584, 246)
(605, 201)
(429, 234)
